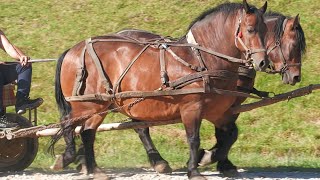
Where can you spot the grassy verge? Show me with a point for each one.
(285, 134)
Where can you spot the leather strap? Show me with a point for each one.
(192, 40)
(198, 76)
(145, 94)
(163, 73)
(105, 82)
(115, 88)
(81, 73)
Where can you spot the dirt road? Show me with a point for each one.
(148, 174)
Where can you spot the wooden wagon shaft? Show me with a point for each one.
(52, 130)
(112, 126)
(280, 97)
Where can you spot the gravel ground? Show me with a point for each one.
(148, 174)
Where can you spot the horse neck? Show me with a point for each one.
(216, 32)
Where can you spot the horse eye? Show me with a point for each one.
(250, 29)
(294, 45)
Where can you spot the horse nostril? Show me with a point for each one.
(264, 64)
(297, 78)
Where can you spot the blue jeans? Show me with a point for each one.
(10, 72)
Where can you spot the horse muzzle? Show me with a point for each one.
(261, 65)
(288, 78)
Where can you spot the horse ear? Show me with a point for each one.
(296, 22)
(263, 9)
(246, 6)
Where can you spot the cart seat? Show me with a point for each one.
(8, 97)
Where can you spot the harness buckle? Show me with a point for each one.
(164, 46)
(249, 52)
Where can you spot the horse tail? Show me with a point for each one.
(63, 106)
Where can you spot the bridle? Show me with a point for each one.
(248, 52)
(277, 45)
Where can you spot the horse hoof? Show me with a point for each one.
(206, 158)
(162, 168)
(58, 163)
(230, 173)
(100, 176)
(82, 168)
(199, 177)
(98, 170)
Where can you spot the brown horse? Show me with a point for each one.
(285, 42)
(131, 66)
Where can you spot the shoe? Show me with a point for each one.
(4, 123)
(26, 103)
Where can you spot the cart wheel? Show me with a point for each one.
(17, 154)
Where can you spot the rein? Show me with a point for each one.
(277, 45)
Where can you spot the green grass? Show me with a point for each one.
(285, 134)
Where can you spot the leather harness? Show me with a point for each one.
(168, 88)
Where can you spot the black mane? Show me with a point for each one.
(224, 8)
(278, 29)
(273, 14)
(301, 39)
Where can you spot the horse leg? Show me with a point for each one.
(157, 162)
(226, 136)
(69, 155)
(88, 136)
(191, 119)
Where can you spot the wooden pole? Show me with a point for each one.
(281, 97)
(41, 60)
(111, 126)
(31, 61)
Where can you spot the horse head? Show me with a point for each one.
(249, 35)
(287, 49)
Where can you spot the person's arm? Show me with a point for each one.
(12, 50)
